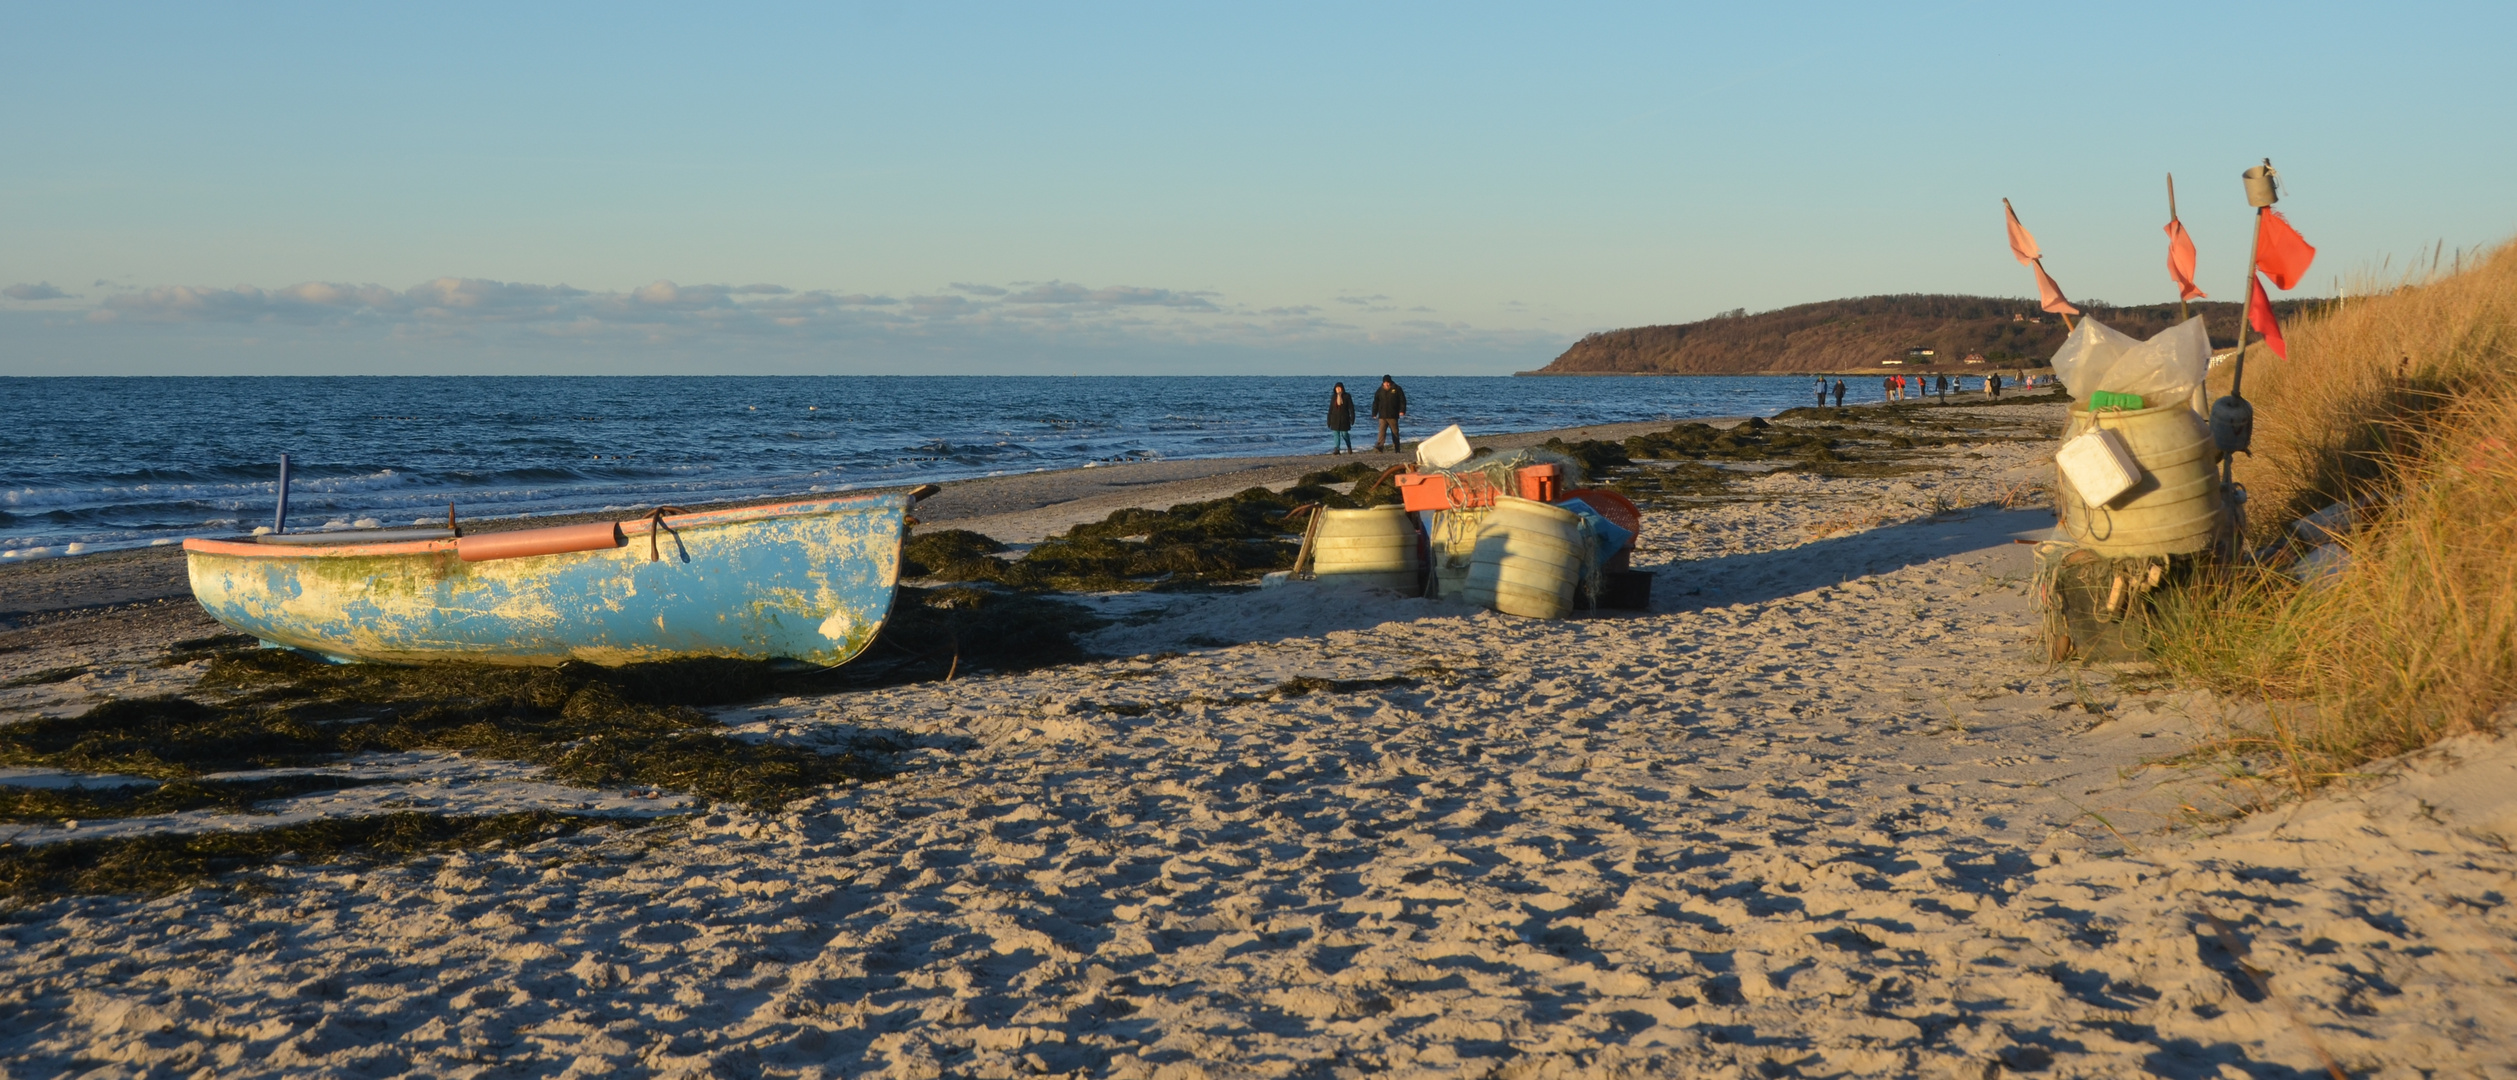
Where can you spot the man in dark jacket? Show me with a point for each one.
(1389, 404)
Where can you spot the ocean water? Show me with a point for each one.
(112, 463)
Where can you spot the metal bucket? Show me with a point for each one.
(2174, 510)
(1375, 546)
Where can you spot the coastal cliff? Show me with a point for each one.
(1864, 332)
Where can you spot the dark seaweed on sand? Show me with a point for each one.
(172, 797)
(1235, 538)
(166, 863)
(590, 726)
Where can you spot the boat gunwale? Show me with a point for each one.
(632, 527)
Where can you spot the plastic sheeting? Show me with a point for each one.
(2164, 370)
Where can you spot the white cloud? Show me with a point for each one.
(729, 321)
(31, 291)
(1060, 292)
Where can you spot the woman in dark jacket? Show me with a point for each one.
(1341, 421)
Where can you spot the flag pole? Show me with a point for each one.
(2232, 420)
(2181, 314)
(2260, 195)
(2040, 268)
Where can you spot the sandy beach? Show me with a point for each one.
(1824, 810)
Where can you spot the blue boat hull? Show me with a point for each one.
(809, 582)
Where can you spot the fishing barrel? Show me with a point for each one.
(2174, 510)
(1528, 559)
(1375, 546)
(1451, 541)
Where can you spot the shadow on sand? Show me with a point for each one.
(1758, 577)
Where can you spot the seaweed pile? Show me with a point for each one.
(586, 725)
(636, 726)
(1235, 538)
(167, 863)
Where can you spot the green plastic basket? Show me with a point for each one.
(2108, 399)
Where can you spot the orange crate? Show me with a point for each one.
(1424, 491)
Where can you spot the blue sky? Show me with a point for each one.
(1165, 187)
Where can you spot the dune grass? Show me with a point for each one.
(2398, 400)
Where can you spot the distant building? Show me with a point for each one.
(2018, 316)
(1974, 358)
(1919, 356)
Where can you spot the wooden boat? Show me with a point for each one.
(808, 582)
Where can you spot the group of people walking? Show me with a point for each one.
(1389, 406)
(1909, 387)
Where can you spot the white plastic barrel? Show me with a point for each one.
(2174, 510)
(1528, 559)
(1375, 546)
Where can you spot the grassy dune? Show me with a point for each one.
(2401, 402)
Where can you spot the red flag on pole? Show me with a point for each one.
(2022, 245)
(2049, 295)
(2282, 254)
(2259, 315)
(2180, 261)
(2023, 248)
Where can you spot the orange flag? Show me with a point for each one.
(2282, 254)
(2049, 295)
(2180, 261)
(2259, 315)
(2023, 248)
(2022, 245)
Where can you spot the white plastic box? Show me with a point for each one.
(2099, 466)
(1446, 448)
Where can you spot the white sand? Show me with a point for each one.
(1820, 813)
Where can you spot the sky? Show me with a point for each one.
(1168, 188)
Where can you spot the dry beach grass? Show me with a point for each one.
(2397, 403)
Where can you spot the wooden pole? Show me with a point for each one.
(2181, 314)
(2237, 372)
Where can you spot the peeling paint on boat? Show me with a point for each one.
(804, 581)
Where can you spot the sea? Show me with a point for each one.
(99, 464)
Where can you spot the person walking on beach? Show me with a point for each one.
(1887, 389)
(1389, 406)
(1992, 385)
(1839, 393)
(1822, 392)
(1341, 421)
(1941, 384)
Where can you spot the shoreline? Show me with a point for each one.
(1893, 369)
(1022, 502)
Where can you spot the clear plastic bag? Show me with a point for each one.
(2164, 370)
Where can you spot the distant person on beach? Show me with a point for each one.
(1389, 406)
(1992, 385)
(1887, 389)
(1839, 393)
(1822, 393)
(1341, 420)
(1941, 383)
